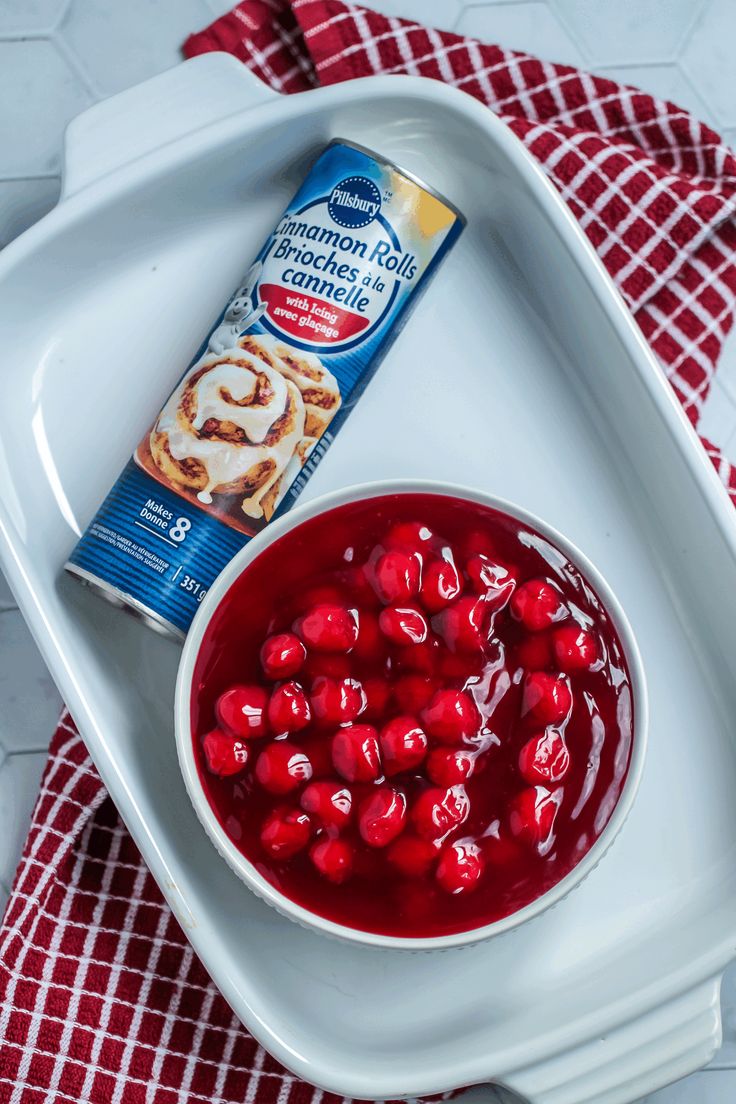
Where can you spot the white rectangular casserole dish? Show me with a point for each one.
(521, 372)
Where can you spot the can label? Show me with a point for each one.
(272, 384)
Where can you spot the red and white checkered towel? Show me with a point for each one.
(101, 997)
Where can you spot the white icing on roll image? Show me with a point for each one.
(318, 386)
(231, 427)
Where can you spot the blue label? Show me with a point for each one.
(149, 544)
(272, 384)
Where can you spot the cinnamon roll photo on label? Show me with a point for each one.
(272, 384)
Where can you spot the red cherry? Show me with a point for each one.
(282, 656)
(370, 644)
(535, 652)
(403, 626)
(411, 855)
(322, 663)
(421, 658)
(382, 816)
(460, 668)
(493, 580)
(440, 585)
(451, 716)
(544, 758)
(330, 802)
(319, 753)
(322, 594)
(242, 711)
(463, 625)
(408, 534)
(333, 858)
(328, 628)
(285, 832)
(412, 692)
(355, 753)
(537, 604)
(547, 698)
(532, 815)
(282, 767)
(397, 574)
(224, 754)
(478, 541)
(438, 811)
(447, 767)
(336, 701)
(460, 867)
(358, 586)
(377, 693)
(403, 745)
(574, 648)
(288, 709)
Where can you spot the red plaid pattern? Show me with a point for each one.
(102, 999)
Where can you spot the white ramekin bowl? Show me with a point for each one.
(246, 871)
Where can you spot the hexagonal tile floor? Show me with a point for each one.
(59, 56)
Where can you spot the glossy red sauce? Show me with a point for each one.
(521, 833)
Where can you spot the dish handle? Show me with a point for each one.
(147, 116)
(619, 1067)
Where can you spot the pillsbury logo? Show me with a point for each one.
(354, 202)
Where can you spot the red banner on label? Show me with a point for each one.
(310, 319)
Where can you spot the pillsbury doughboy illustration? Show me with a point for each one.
(239, 314)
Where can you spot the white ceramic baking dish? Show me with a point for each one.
(522, 373)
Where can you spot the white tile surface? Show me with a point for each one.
(530, 26)
(19, 780)
(37, 16)
(39, 93)
(645, 31)
(444, 13)
(30, 701)
(56, 56)
(708, 1087)
(119, 44)
(708, 58)
(218, 7)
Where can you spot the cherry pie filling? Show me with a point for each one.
(413, 715)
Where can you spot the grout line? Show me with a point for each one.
(644, 65)
(721, 122)
(28, 751)
(711, 121)
(569, 28)
(27, 36)
(29, 176)
(697, 15)
(75, 63)
(475, 7)
(65, 6)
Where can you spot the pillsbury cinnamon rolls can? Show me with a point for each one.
(271, 385)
